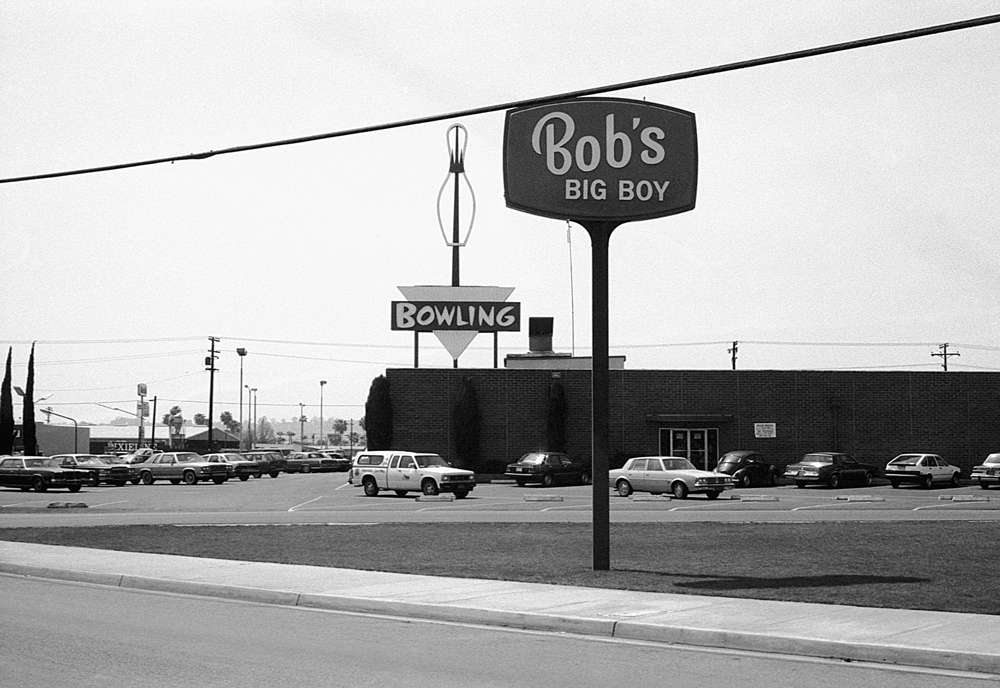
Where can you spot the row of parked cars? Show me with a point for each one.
(73, 471)
(679, 477)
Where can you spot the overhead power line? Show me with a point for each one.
(678, 76)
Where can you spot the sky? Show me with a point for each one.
(846, 211)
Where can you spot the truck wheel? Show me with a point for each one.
(275, 474)
(461, 494)
(74, 488)
(429, 487)
(371, 488)
(400, 493)
(548, 480)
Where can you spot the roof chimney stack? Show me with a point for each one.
(540, 335)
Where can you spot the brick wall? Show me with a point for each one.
(874, 415)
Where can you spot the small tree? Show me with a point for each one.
(28, 417)
(378, 411)
(175, 412)
(200, 419)
(467, 425)
(6, 411)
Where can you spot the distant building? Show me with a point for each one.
(111, 439)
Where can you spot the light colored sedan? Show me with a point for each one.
(988, 472)
(923, 469)
(662, 474)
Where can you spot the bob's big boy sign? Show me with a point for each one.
(600, 159)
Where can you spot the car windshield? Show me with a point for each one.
(993, 458)
(678, 465)
(234, 457)
(532, 459)
(817, 458)
(188, 457)
(906, 460)
(87, 460)
(41, 463)
(425, 460)
(729, 459)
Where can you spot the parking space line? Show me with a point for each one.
(121, 501)
(817, 506)
(294, 508)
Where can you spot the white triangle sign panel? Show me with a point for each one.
(455, 341)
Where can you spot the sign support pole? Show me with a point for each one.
(600, 238)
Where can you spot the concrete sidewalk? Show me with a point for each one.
(963, 642)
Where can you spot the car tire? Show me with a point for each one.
(799, 483)
(429, 487)
(306, 469)
(928, 481)
(624, 488)
(218, 481)
(679, 490)
(38, 484)
(894, 483)
(713, 495)
(773, 479)
(25, 488)
(371, 487)
(954, 480)
(400, 493)
(745, 480)
(190, 478)
(585, 478)
(74, 488)
(259, 475)
(275, 474)
(147, 478)
(834, 481)
(461, 494)
(869, 479)
(521, 482)
(244, 477)
(548, 480)
(134, 481)
(121, 483)
(983, 484)
(92, 480)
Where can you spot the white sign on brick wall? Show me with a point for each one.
(765, 430)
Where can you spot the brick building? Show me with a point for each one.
(702, 414)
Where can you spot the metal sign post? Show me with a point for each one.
(600, 162)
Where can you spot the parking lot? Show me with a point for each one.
(328, 498)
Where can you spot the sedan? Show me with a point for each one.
(923, 469)
(988, 472)
(662, 474)
(39, 473)
(308, 462)
(181, 466)
(748, 468)
(239, 466)
(830, 468)
(548, 468)
(343, 464)
(115, 460)
(100, 470)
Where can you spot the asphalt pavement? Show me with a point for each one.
(938, 640)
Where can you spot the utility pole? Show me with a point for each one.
(210, 363)
(945, 355)
(302, 427)
(733, 352)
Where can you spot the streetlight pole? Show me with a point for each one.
(241, 352)
(302, 427)
(76, 428)
(322, 383)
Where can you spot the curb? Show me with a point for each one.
(606, 628)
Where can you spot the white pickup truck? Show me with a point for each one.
(403, 471)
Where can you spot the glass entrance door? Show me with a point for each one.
(698, 445)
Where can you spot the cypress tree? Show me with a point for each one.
(378, 415)
(467, 425)
(6, 411)
(556, 421)
(28, 417)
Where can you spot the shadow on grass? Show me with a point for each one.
(732, 583)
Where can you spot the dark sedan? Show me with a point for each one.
(40, 473)
(99, 469)
(748, 469)
(830, 468)
(548, 468)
